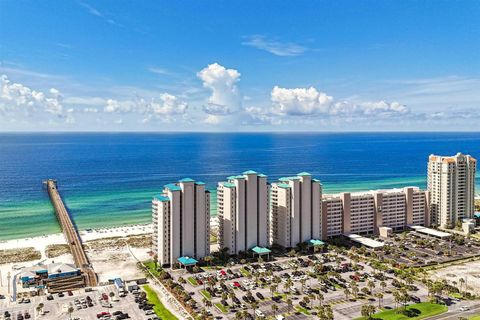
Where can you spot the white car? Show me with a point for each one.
(259, 313)
(465, 308)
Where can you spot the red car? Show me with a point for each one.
(101, 314)
(236, 284)
(104, 296)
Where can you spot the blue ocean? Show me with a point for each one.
(109, 179)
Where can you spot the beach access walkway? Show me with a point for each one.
(71, 234)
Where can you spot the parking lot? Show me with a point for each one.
(415, 249)
(297, 286)
(86, 306)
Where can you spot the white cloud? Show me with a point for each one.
(278, 48)
(212, 119)
(299, 101)
(225, 98)
(15, 96)
(168, 105)
(158, 71)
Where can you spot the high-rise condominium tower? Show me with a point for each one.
(242, 205)
(451, 183)
(181, 221)
(296, 208)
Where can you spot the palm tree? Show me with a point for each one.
(379, 296)
(320, 297)
(347, 293)
(254, 306)
(383, 284)
(70, 311)
(462, 282)
(289, 304)
(273, 288)
(274, 309)
(303, 281)
(368, 310)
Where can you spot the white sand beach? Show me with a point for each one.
(108, 262)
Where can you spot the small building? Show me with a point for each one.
(39, 275)
(119, 284)
(385, 232)
(187, 262)
(468, 226)
(260, 251)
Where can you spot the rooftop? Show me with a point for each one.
(162, 197)
(366, 241)
(261, 250)
(303, 174)
(250, 172)
(315, 242)
(173, 187)
(228, 184)
(187, 261)
(283, 185)
(431, 232)
(187, 180)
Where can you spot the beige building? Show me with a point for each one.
(451, 183)
(366, 212)
(181, 222)
(242, 206)
(295, 212)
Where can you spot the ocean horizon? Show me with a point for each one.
(109, 179)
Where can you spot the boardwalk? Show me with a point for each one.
(71, 234)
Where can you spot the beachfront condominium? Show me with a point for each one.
(181, 222)
(451, 183)
(365, 212)
(295, 212)
(242, 207)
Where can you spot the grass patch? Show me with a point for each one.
(151, 266)
(192, 281)
(141, 241)
(244, 272)
(55, 250)
(159, 308)
(416, 311)
(222, 308)
(206, 294)
(302, 310)
(477, 317)
(19, 255)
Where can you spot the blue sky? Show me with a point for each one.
(239, 65)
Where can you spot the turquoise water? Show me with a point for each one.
(110, 179)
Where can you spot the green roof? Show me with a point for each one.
(200, 183)
(162, 198)
(283, 185)
(304, 174)
(187, 180)
(260, 250)
(187, 261)
(229, 184)
(235, 177)
(261, 175)
(316, 180)
(316, 242)
(249, 172)
(173, 187)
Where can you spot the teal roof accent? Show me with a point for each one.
(173, 187)
(316, 180)
(261, 250)
(187, 261)
(235, 177)
(249, 172)
(304, 174)
(283, 185)
(187, 180)
(261, 175)
(284, 179)
(315, 242)
(229, 184)
(200, 183)
(162, 198)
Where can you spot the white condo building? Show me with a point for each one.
(451, 183)
(365, 212)
(181, 222)
(242, 206)
(295, 215)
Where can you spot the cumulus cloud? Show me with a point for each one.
(165, 108)
(225, 97)
(15, 96)
(212, 119)
(275, 47)
(299, 101)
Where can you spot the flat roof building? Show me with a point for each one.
(242, 206)
(181, 221)
(366, 212)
